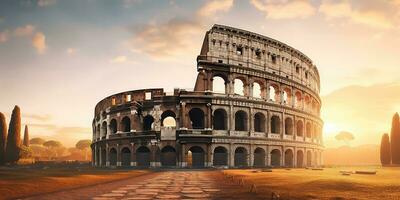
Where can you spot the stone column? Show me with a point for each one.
(231, 155)
(107, 156)
(119, 155)
(183, 156)
(250, 86)
(231, 116)
(183, 115)
(133, 155)
(100, 157)
(251, 155)
(96, 156)
(210, 155)
(250, 122)
(209, 112)
(268, 155)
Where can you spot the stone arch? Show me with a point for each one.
(220, 119)
(307, 102)
(220, 156)
(309, 159)
(300, 158)
(239, 86)
(299, 128)
(241, 120)
(126, 124)
(148, 121)
(288, 126)
(275, 124)
(196, 116)
(259, 157)
(168, 156)
(113, 157)
(308, 130)
(196, 157)
(273, 91)
(287, 96)
(289, 157)
(125, 157)
(113, 126)
(168, 118)
(275, 158)
(257, 90)
(219, 84)
(298, 99)
(259, 122)
(240, 159)
(104, 129)
(143, 156)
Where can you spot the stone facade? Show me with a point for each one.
(272, 119)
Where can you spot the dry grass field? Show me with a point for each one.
(326, 184)
(15, 183)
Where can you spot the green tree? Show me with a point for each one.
(14, 137)
(38, 141)
(26, 136)
(385, 150)
(3, 138)
(395, 139)
(83, 145)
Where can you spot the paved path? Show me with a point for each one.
(194, 185)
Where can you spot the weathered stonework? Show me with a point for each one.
(274, 120)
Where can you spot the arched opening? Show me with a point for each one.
(126, 125)
(168, 119)
(239, 87)
(257, 93)
(168, 157)
(103, 157)
(148, 123)
(287, 96)
(103, 129)
(288, 126)
(113, 157)
(98, 130)
(196, 157)
(275, 125)
(275, 158)
(143, 157)
(297, 100)
(218, 85)
(259, 122)
(196, 116)
(289, 158)
(300, 158)
(220, 119)
(273, 93)
(299, 128)
(307, 102)
(308, 129)
(241, 121)
(259, 157)
(309, 159)
(220, 156)
(125, 157)
(240, 157)
(113, 126)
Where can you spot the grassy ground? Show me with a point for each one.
(22, 182)
(326, 184)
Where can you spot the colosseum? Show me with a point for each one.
(255, 103)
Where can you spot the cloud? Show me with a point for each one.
(71, 51)
(372, 17)
(119, 59)
(4, 36)
(44, 3)
(344, 136)
(26, 30)
(42, 118)
(39, 42)
(285, 9)
(214, 6)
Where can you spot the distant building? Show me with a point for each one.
(255, 103)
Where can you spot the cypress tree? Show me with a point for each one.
(14, 137)
(395, 139)
(3, 138)
(26, 136)
(385, 150)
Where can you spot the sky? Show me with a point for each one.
(58, 58)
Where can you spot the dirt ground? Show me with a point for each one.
(326, 184)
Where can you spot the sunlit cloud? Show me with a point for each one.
(121, 60)
(23, 31)
(39, 42)
(214, 6)
(37, 117)
(4, 35)
(375, 18)
(44, 3)
(71, 51)
(284, 9)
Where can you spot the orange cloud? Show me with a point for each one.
(26, 30)
(39, 42)
(4, 36)
(289, 9)
(214, 6)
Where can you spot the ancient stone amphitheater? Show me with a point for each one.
(255, 104)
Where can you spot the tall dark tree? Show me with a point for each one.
(395, 139)
(3, 138)
(26, 136)
(14, 136)
(385, 150)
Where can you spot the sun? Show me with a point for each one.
(330, 128)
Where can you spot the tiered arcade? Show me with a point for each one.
(255, 104)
